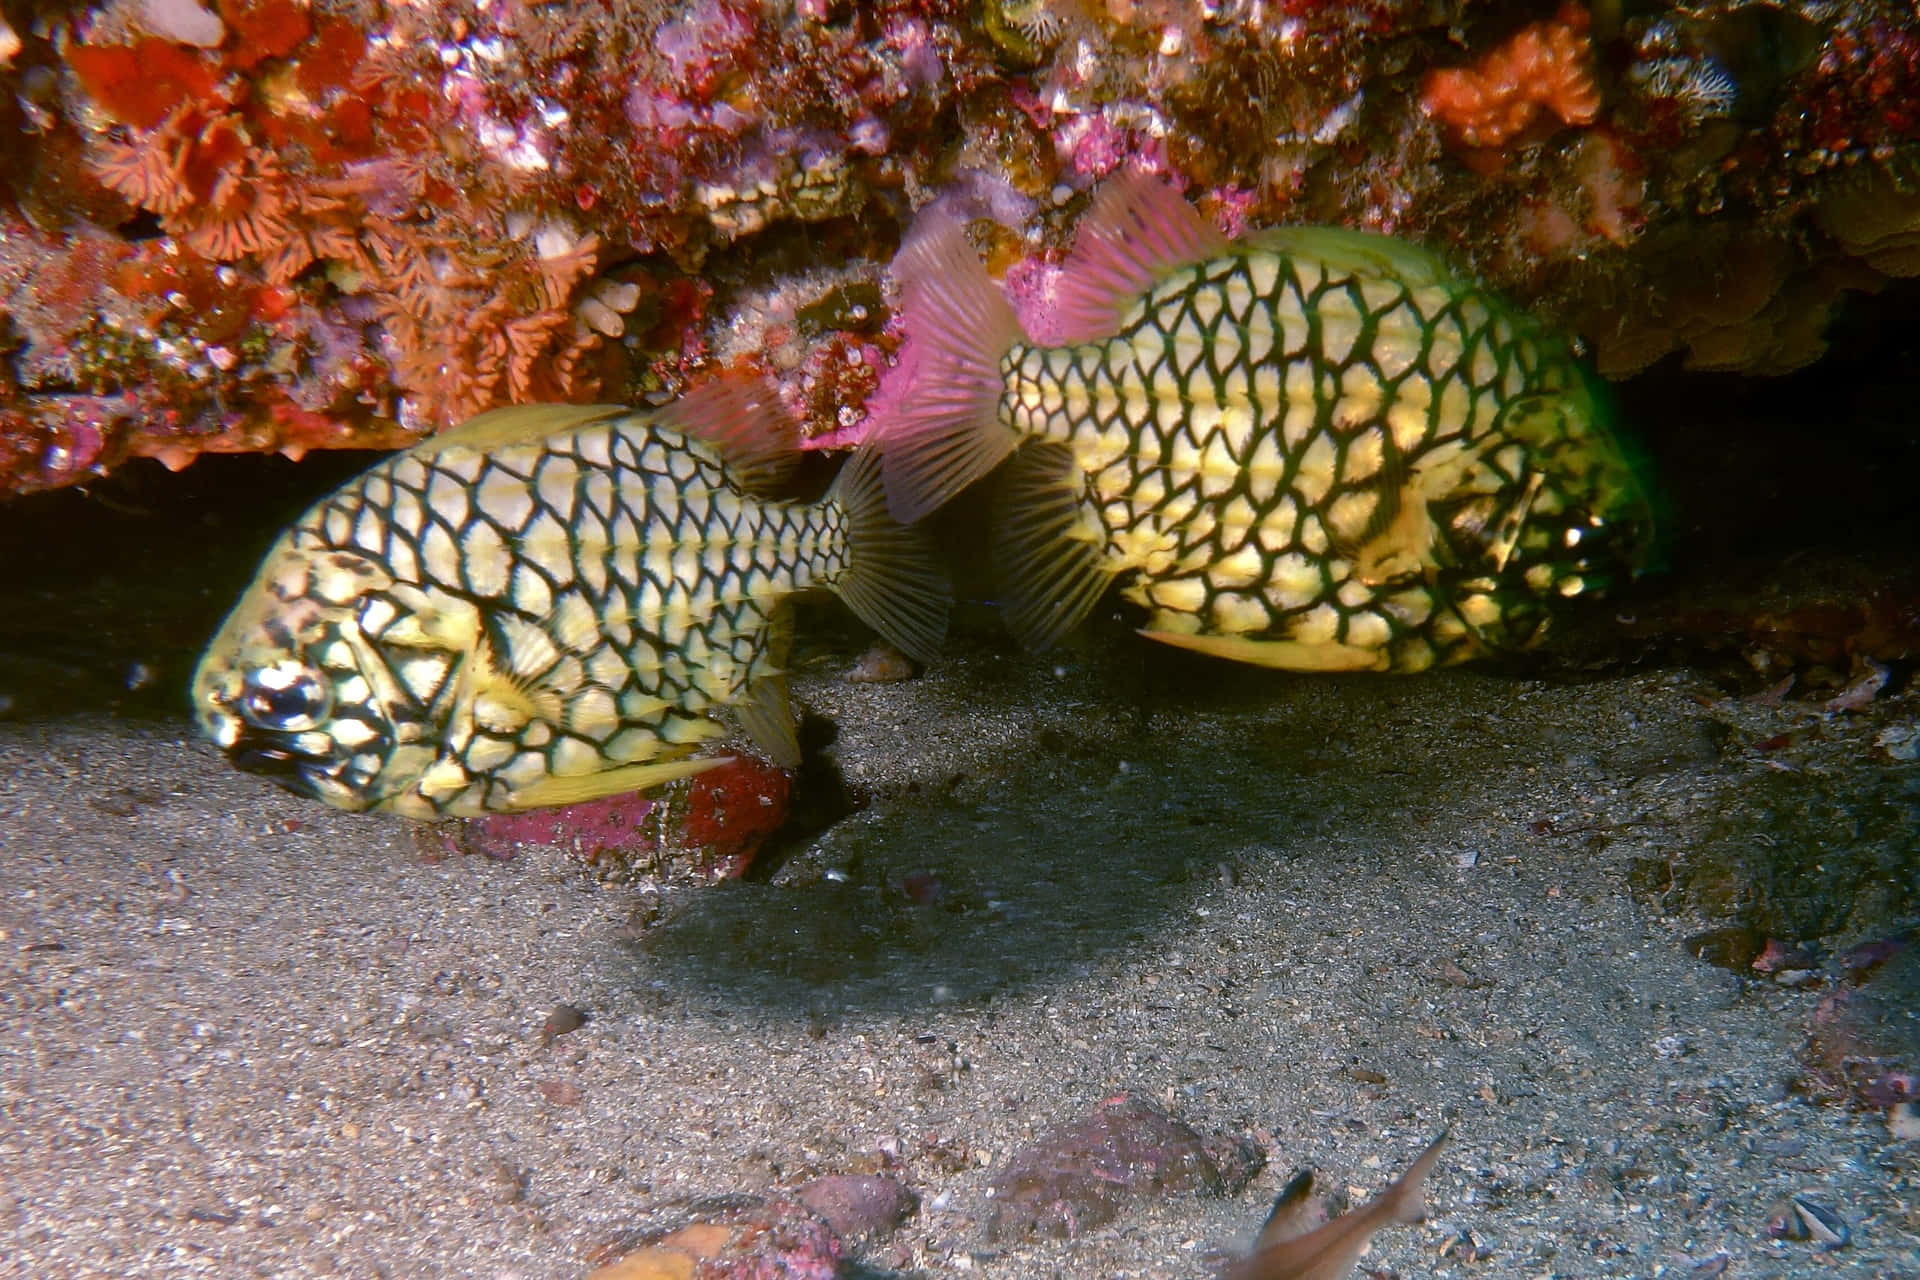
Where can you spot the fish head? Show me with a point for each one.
(294, 688)
(1548, 506)
(1593, 523)
(1551, 503)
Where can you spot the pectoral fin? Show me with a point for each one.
(1049, 551)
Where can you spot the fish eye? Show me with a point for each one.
(285, 698)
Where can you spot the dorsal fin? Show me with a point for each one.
(1137, 231)
(517, 424)
(742, 417)
(1362, 253)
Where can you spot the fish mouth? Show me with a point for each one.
(290, 769)
(271, 762)
(314, 777)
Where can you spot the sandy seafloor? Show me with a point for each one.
(243, 1035)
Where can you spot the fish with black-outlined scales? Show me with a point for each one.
(1313, 448)
(547, 605)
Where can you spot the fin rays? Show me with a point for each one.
(1051, 565)
(1330, 1251)
(940, 430)
(1137, 231)
(742, 417)
(893, 579)
(609, 782)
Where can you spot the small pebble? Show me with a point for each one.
(563, 1019)
(881, 664)
(741, 1238)
(856, 1204)
(1900, 741)
(561, 1093)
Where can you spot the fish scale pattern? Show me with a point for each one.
(1281, 448)
(490, 617)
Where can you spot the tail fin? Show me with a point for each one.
(940, 428)
(893, 579)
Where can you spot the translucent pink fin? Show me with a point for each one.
(1137, 231)
(742, 417)
(893, 580)
(940, 427)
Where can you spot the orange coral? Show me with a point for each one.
(223, 197)
(1544, 67)
(300, 142)
(264, 29)
(473, 319)
(463, 339)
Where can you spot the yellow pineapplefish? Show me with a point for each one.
(545, 605)
(1313, 448)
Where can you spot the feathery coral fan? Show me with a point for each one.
(474, 310)
(1544, 67)
(463, 341)
(200, 172)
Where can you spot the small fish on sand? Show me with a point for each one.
(1311, 448)
(1329, 1252)
(548, 605)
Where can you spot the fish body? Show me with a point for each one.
(1314, 448)
(548, 605)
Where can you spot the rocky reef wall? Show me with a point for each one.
(258, 225)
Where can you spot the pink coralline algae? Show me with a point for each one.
(255, 225)
(1080, 1176)
(711, 825)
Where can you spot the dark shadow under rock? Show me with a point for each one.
(1795, 855)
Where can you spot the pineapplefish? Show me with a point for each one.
(546, 605)
(1313, 448)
